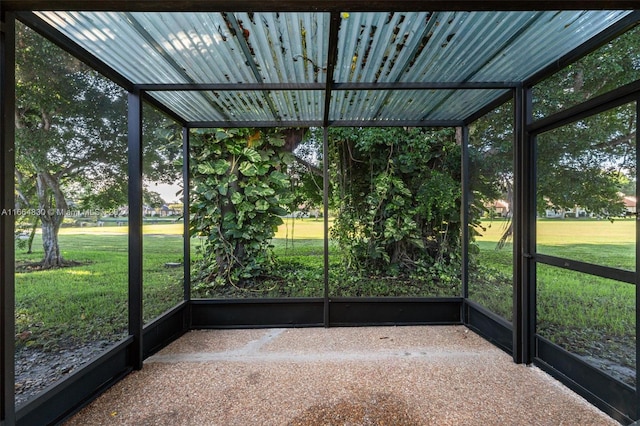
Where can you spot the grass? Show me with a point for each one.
(588, 315)
(89, 301)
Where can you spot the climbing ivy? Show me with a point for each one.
(398, 202)
(240, 190)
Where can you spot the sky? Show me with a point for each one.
(166, 191)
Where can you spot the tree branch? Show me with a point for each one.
(313, 169)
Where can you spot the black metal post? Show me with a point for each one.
(462, 137)
(524, 286)
(637, 270)
(186, 182)
(464, 210)
(135, 228)
(325, 197)
(7, 219)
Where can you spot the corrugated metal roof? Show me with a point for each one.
(262, 49)
(223, 106)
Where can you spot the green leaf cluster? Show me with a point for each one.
(240, 191)
(398, 201)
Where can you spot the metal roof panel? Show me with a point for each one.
(292, 49)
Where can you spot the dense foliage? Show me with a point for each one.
(397, 194)
(240, 190)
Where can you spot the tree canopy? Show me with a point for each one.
(583, 165)
(71, 138)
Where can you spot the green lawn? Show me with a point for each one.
(595, 241)
(89, 301)
(588, 315)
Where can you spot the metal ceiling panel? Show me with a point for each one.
(111, 38)
(460, 46)
(191, 106)
(355, 104)
(169, 48)
(202, 46)
(409, 105)
(302, 105)
(375, 46)
(244, 106)
(287, 48)
(461, 104)
(549, 38)
(292, 49)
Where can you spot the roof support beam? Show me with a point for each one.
(262, 124)
(333, 123)
(318, 5)
(396, 123)
(226, 87)
(427, 85)
(332, 59)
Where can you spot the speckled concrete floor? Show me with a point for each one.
(437, 375)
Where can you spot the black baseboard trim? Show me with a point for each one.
(263, 313)
(65, 398)
(394, 311)
(254, 313)
(489, 325)
(165, 329)
(615, 398)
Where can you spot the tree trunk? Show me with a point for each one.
(52, 256)
(32, 234)
(52, 208)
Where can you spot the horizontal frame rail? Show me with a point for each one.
(246, 86)
(319, 123)
(628, 277)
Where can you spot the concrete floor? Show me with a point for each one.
(433, 375)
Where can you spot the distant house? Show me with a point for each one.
(499, 208)
(628, 201)
(630, 204)
(577, 211)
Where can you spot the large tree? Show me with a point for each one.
(397, 193)
(70, 136)
(583, 165)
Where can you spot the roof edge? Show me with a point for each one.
(315, 6)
